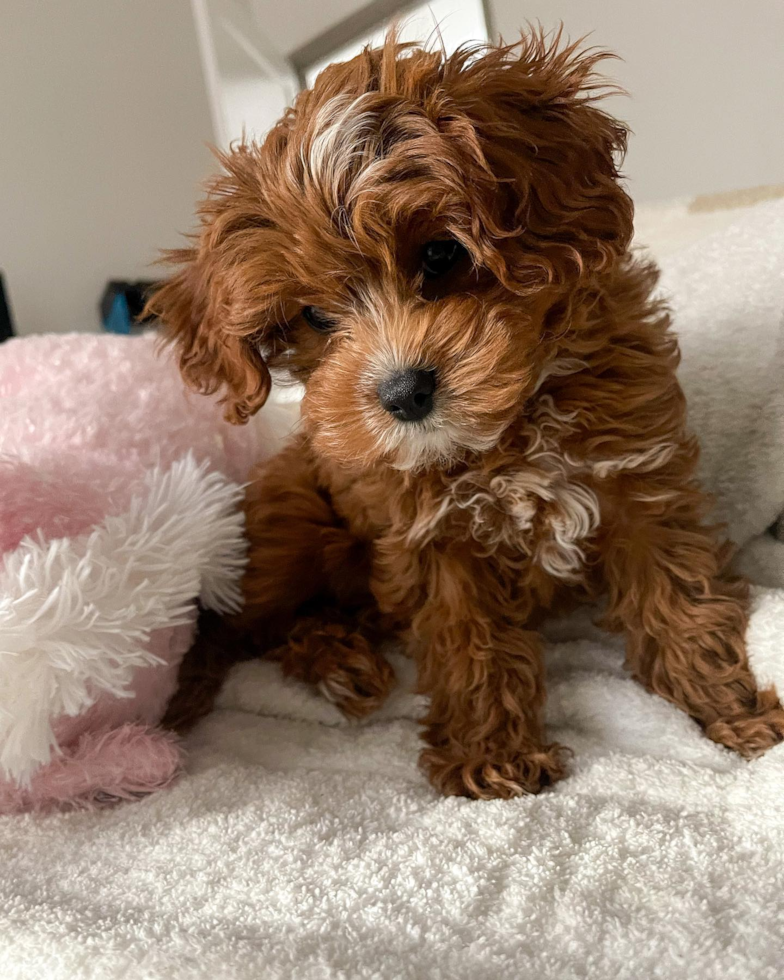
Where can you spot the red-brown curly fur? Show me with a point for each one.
(556, 464)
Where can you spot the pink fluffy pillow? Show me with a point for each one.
(119, 507)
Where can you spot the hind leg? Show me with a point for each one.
(305, 572)
(300, 551)
(307, 595)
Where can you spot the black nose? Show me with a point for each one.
(408, 395)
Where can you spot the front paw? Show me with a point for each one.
(749, 735)
(490, 775)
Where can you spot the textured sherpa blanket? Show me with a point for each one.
(302, 847)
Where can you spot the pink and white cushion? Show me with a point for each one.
(119, 508)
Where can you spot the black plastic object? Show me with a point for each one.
(6, 323)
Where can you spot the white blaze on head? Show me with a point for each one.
(346, 135)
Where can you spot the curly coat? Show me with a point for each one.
(556, 463)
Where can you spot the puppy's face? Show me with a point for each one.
(405, 243)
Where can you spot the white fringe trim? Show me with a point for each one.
(76, 613)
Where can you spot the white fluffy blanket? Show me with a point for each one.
(305, 848)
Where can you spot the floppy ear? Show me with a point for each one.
(194, 310)
(554, 154)
(213, 309)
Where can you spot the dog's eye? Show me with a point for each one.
(318, 319)
(439, 257)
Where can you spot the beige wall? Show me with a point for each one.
(103, 121)
(706, 80)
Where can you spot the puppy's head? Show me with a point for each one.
(405, 243)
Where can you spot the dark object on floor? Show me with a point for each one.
(6, 323)
(122, 304)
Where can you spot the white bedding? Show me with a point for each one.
(303, 847)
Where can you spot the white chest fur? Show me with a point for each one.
(540, 508)
(537, 505)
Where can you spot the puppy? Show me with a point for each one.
(437, 248)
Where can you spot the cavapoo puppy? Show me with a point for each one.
(438, 249)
